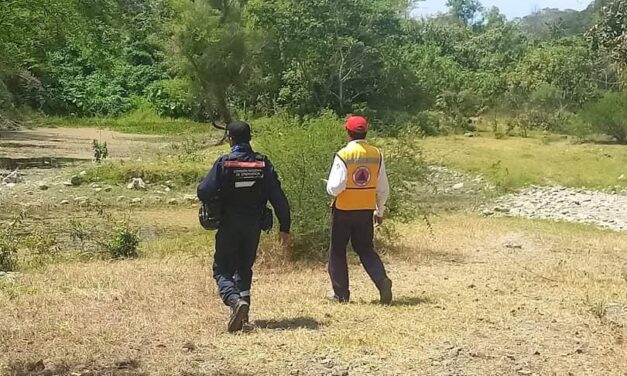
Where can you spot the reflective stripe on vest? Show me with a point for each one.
(363, 162)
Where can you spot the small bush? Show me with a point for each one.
(172, 98)
(426, 123)
(575, 125)
(8, 254)
(302, 155)
(124, 242)
(608, 116)
(9, 245)
(100, 150)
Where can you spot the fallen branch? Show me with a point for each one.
(6, 123)
(222, 128)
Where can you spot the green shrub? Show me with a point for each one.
(8, 254)
(101, 152)
(575, 125)
(608, 115)
(425, 123)
(430, 122)
(172, 98)
(405, 167)
(9, 245)
(302, 155)
(124, 242)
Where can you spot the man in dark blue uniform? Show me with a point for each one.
(244, 181)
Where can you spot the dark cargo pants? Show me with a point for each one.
(237, 241)
(356, 226)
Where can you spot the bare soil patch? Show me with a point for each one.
(73, 143)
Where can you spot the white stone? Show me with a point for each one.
(13, 178)
(136, 183)
(190, 198)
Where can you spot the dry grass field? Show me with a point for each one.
(477, 297)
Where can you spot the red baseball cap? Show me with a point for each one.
(357, 124)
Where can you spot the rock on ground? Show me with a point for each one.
(13, 178)
(76, 180)
(136, 183)
(606, 210)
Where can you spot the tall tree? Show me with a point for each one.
(564, 64)
(465, 10)
(326, 53)
(210, 45)
(610, 33)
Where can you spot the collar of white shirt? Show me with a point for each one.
(357, 141)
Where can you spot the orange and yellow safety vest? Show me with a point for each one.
(363, 163)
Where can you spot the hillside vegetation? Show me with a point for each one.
(219, 60)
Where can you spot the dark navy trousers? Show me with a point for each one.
(358, 228)
(237, 241)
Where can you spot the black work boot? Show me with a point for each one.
(337, 300)
(239, 312)
(247, 300)
(385, 291)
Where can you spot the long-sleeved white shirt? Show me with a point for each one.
(339, 177)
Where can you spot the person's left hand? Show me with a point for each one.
(284, 238)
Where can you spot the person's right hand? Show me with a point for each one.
(378, 221)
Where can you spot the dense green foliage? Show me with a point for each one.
(609, 115)
(218, 60)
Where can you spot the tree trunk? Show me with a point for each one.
(223, 108)
(223, 112)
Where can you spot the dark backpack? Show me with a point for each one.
(210, 214)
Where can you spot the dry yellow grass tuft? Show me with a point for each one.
(478, 297)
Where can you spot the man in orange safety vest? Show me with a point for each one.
(359, 183)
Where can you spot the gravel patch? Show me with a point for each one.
(603, 209)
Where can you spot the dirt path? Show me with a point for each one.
(74, 143)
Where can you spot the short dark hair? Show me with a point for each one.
(357, 135)
(239, 131)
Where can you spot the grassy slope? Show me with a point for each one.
(517, 162)
(136, 123)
